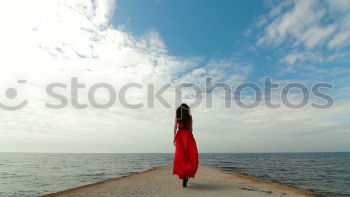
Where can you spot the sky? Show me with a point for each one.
(161, 42)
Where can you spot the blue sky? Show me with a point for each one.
(205, 29)
(191, 28)
(213, 30)
(170, 42)
(299, 41)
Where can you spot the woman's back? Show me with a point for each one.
(182, 125)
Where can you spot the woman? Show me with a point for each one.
(186, 153)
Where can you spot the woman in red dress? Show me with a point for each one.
(186, 153)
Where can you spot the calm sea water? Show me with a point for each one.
(32, 174)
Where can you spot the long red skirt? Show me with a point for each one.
(186, 155)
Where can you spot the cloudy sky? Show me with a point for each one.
(161, 42)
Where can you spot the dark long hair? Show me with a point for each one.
(183, 114)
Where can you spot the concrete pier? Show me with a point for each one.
(161, 182)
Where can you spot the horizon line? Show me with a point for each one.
(173, 153)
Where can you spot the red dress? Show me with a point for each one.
(186, 153)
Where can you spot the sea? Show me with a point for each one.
(33, 174)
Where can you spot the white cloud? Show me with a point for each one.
(52, 41)
(293, 57)
(293, 23)
(306, 33)
(315, 35)
(340, 39)
(228, 70)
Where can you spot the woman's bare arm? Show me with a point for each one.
(175, 128)
(191, 122)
